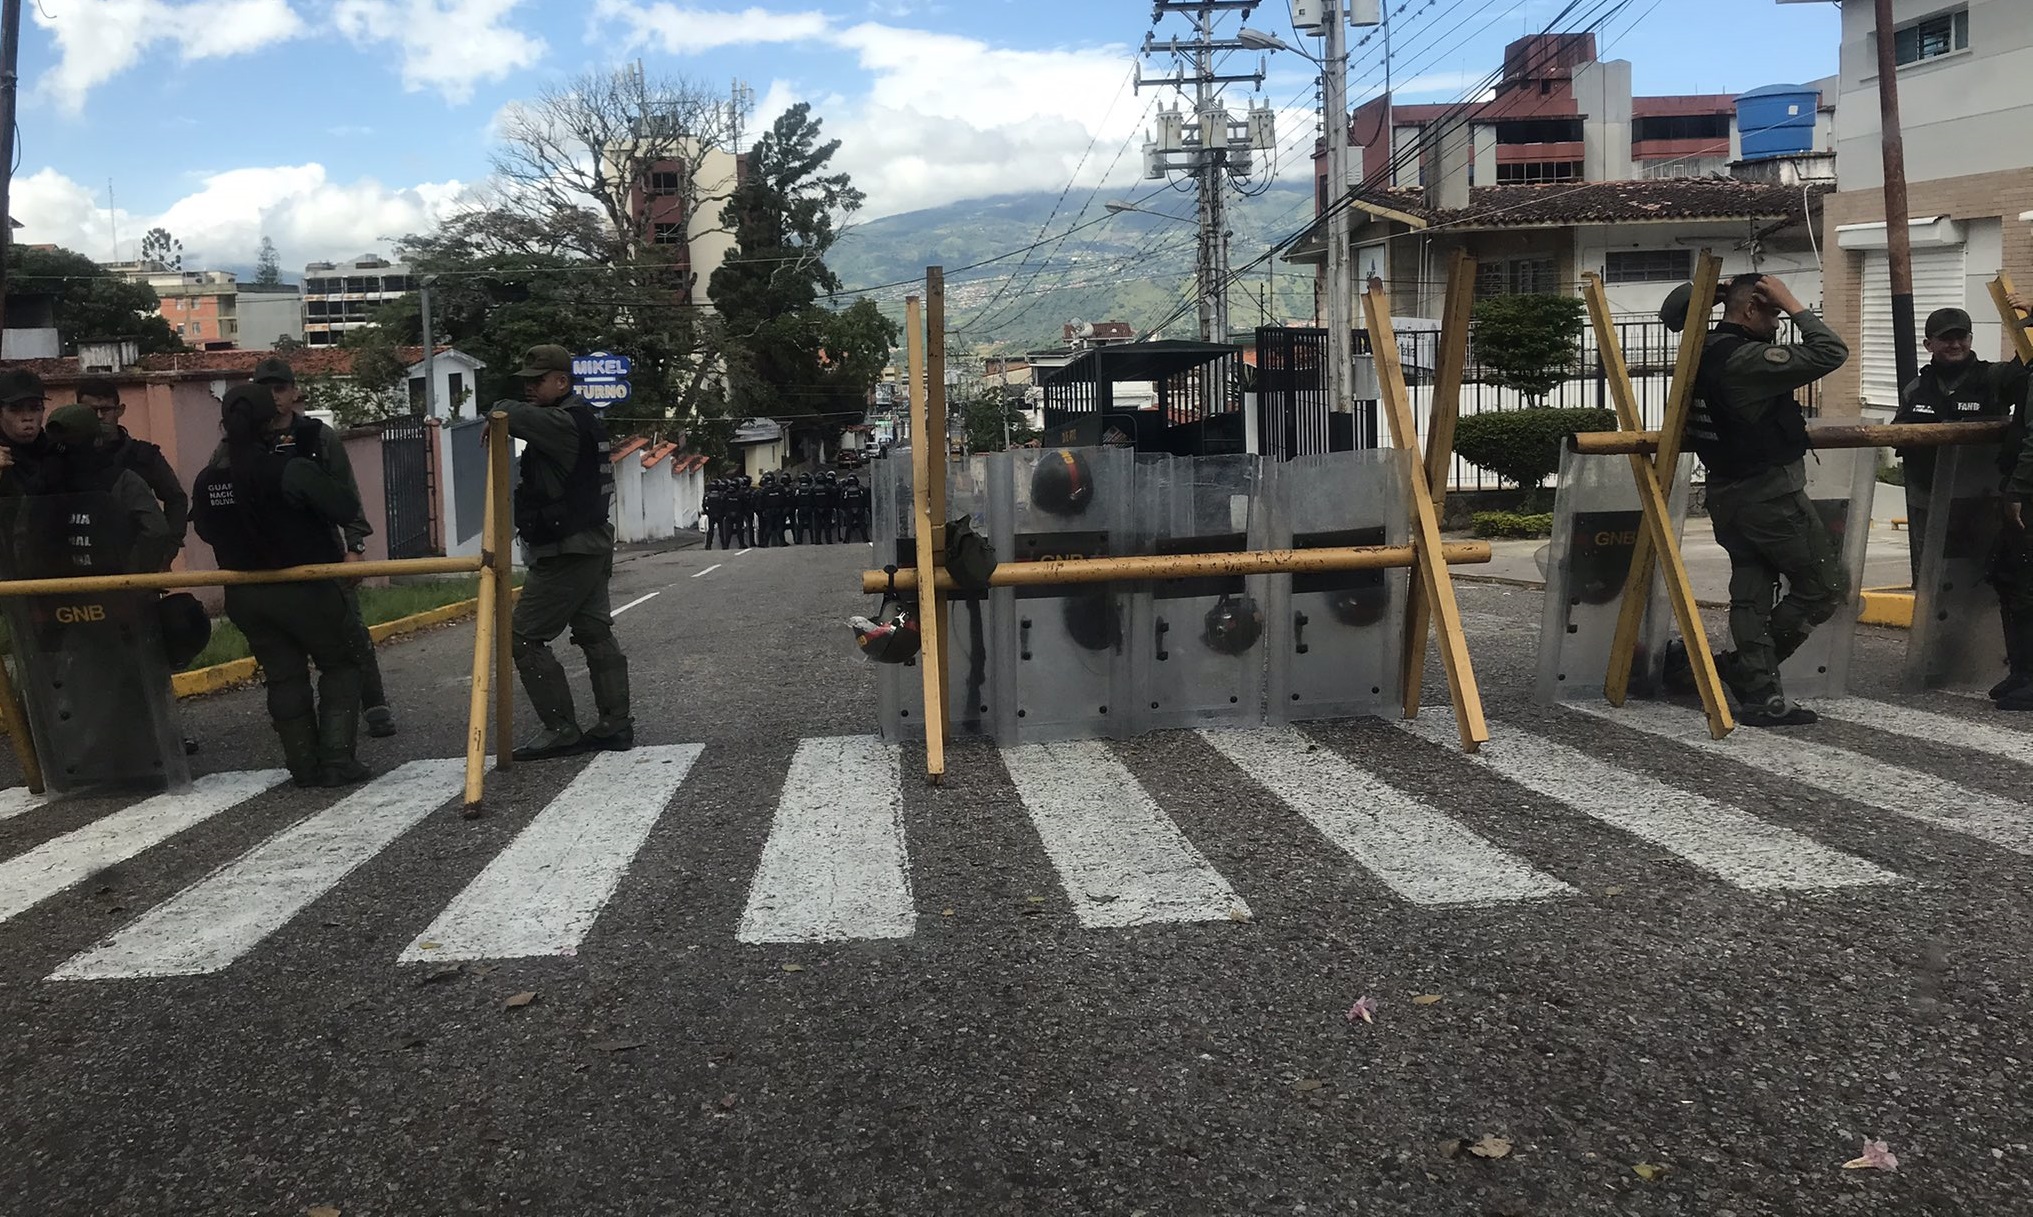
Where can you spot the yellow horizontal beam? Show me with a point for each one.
(1192, 566)
(238, 578)
(1863, 435)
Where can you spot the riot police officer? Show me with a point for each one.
(712, 510)
(770, 502)
(804, 501)
(853, 509)
(827, 507)
(744, 512)
(1751, 434)
(266, 506)
(102, 397)
(562, 512)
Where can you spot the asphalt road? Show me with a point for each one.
(1112, 979)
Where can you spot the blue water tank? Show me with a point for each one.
(1777, 120)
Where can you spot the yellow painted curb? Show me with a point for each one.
(1887, 606)
(221, 676)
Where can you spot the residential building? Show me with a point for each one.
(270, 313)
(201, 306)
(343, 296)
(1965, 111)
(677, 202)
(1087, 335)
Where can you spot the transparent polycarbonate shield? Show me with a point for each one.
(96, 682)
(1068, 644)
(976, 688)
(1956, 642)
(1335, 639)
(1840, 484)
(1597, 519)
(1196, 645)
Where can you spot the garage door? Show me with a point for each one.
(1938, 282)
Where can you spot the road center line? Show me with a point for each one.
(739, 554)
(709, 570)
(638, 600)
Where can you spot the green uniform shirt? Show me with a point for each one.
(155, 542)
(552, 431)
(306, 483)
(333, 460)
(1758, 376)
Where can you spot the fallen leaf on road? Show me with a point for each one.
(945, 912)
(1238, 914)
(518, 1001)
(1452, 1147)
(428, 946)
(1613, 891)
(1035, 899)
(1363, 1008)
(1426, 999)
(1651, 1172)
(1308, 1084)
(321, 1210)
(794, 967)
(1491, 1147)
(1876, 1156)
(618, 1045)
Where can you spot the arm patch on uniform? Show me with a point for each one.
(1778, 355)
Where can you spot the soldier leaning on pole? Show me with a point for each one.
(1751, 435)
(1954, 387)
(562, 512)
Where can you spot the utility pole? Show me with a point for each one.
(1898, 237)
(1334, 101)
(10, 56)
(1217, 153)
(423, 296)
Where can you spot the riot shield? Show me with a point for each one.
(1840, 484)
(1597, 520)
(1956, 642)
(92, 668)
(975, 682)
(1335, 639)
(1067, 644)
(1196, 645)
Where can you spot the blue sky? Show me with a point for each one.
(332, 125)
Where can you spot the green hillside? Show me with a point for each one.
(1133, 268)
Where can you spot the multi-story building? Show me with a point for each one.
(343, 296)
(270, 313)
(201, 306)
(681, 186)
(1965, 110)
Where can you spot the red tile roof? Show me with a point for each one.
(1564, 203)
(634, 445)
(657, 453)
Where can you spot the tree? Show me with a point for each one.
(991, 415)
(89, 301)
(377, 388)
(267, 265)
(1528, 343)
(163, 249)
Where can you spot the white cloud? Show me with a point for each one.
(447, 45)
(683, 29)
(98, 39)
(309, 216)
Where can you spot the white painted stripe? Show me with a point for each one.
(835, 866)
(1850, 775)
(54, 865)
(223, 916)
(638, 600)
(1120, 858)
(709, 570)
(1418, 851)
(740, 554)
(1725, 841)
(16, 800)
(541, 895)
(2001, 742)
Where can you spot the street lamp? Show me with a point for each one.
(1264, 40)
(1118, 207)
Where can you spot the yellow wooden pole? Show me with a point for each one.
(1658, 518)
(1192, 566)
(1637, 587)
(501, 571)
(84, 585)
(1859, 435)
(16, 721)
(2014, 321)
(1449, 370)
(1432, 566)
(931, 671)
(487, 621)
(935, 411)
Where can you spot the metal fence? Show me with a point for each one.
(406, 483)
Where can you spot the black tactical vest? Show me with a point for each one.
(73, 524)
(588, 485)
(1930, 401)
(261, 530)
(1731, 447)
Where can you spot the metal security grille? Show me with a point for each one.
(406, 481)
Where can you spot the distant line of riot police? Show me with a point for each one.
(812, 509)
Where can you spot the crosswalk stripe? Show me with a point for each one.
(16, 800)
(1415, 849)
(835, 866)
(2002, 742)
(1121, 859)
(1723, 840)
(1910, 793)
(54, 865)
(210, 924)
(541, 895)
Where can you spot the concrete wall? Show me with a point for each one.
(1795, 262)
(758, 459)
(1962, 114)
(267, 316)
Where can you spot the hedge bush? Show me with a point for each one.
(1511, 524)
(1523, 446)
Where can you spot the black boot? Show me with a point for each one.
(607, 667)
(339, 729)
(299, 738)
(543, 678)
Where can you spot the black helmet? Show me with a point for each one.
(894, 639)
(1364, 604)
(804, 479)
(747, 480)
(1233, 625)
(1062, 483)
(1091, 621)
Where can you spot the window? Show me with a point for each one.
(664, 181)
(1516, 277)
(1538, 171)
(1931, 37)
(1539, 131)
(1681, 126)
(1648, 266)
(667, 234)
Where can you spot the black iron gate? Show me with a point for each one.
(1294, 414)
(406, 479)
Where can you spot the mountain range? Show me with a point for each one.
(1132, 267)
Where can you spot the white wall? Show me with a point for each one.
(444, 403)
(1964, 113)
(1796, 265)
(758, 459)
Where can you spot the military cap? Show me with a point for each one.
(274, 370)
(1674, 311)
(1947, 321)
(73, 424)
(260, 396)
(545, 359)
(19, 384)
